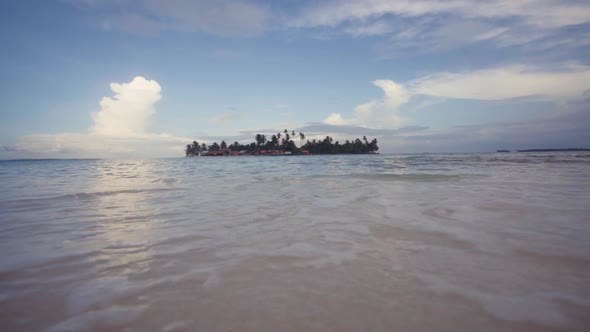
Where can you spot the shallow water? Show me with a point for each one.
(488, 242)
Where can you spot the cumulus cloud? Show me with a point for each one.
(128, 112)
(120, 129)
(377, 113)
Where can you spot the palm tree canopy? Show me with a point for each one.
(287, 143)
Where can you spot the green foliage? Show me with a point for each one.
(284, 142)
(193, 149)
(326, 146)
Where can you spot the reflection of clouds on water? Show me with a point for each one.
(126, 222)
(123, 222)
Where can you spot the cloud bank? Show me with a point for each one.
(561, 128)
(120, 129)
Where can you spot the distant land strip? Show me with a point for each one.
(548, 150)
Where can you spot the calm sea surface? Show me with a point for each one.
(445, 242)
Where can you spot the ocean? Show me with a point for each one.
(423, 242)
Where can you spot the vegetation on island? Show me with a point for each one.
(283, 143)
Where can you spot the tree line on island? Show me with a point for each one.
(283, 143)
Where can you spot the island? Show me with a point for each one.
(281, 144)
(555, 150)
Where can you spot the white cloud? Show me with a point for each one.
(377, 113)
(441, 23)
(543, 13)
(428, 102)
(120, 129)
(372, 29)
(395, 94)
(506, 83)
(336, 119)
(128, 112)
(513, 82)
(489, 34)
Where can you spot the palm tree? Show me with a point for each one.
(373, 145)
(223, 145)
(188, 150)
(258, 139)
(196, 148)
(301, 138)
(203, 147)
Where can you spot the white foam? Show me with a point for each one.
(534, 307)
(110, 317)
(178, 325)
(99, 292)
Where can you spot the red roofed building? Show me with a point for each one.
(222, 152)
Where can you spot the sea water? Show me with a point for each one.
(425, 242)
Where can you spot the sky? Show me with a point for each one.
(143, 78)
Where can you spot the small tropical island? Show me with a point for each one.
(281, 144)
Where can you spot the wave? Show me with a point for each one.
(553, 259)
(35, 202)
(412, 177)
(166, 180)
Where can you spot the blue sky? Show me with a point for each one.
(141, 78)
